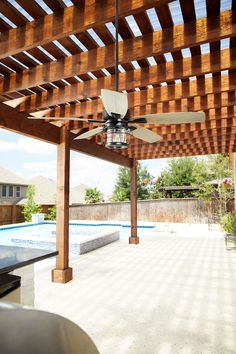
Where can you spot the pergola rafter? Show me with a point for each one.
(156, 43)
(80, 91)
(62, 24)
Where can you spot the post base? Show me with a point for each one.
(134, 240)
(62, 275)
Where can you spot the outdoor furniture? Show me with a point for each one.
(25, 330)
(230, 238)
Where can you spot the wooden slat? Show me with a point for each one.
(9, 11)
(209, 135)
(164, 15)
(188, 12)
(184, 141)
(34, 9)
(65, 23)
(55, 5)
(162, 149)
(4, 26)
(197, 103)
(213, 8)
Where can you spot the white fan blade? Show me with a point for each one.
(68, 118)
(89, 134)
(172, 118)
(114, 102)
(145, 134)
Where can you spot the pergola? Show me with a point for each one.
(56, 55)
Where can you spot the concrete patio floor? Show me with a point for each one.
(167, 295)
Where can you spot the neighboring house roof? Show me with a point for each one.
(77, 194)
(9, 177)
(45, 190)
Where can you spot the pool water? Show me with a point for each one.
(9, 233)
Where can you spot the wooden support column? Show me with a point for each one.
(134, 239)
(233, 157)
(63, 273)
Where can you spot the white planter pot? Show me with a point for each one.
(37, 218)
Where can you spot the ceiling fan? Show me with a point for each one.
(117, 122)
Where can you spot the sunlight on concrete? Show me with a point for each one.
(167, 295)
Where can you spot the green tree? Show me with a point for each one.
(52, 211)
(193, 171)
(186, 171)
(93, 195)
(30, 207)
(122, 186)
(222, 189)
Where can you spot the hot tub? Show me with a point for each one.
(83, 238)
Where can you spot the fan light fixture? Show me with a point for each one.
(116, 138)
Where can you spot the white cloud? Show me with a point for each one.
(93, 172)
(34, 157)
(42, 168)
(83, 170)
(28, 145)
(156, 166)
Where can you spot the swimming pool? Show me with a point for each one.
(84, 237)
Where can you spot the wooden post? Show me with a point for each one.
(134, 239)
(13, 215)
(63, 273)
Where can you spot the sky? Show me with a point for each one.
(31, 157)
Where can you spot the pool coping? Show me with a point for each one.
(124, 224)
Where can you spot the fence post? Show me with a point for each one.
(13, 214)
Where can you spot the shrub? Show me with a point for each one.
(52, 213)
(228, 223)
(30, 207)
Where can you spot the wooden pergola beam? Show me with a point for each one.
(70, 21)
(95, 150)
(148, 106)
(190, 88)
(17, 122)
(171, 39)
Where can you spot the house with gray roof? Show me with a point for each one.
(12, 187)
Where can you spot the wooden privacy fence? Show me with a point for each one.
(12, 214)
(189, 210)
(186, 210)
